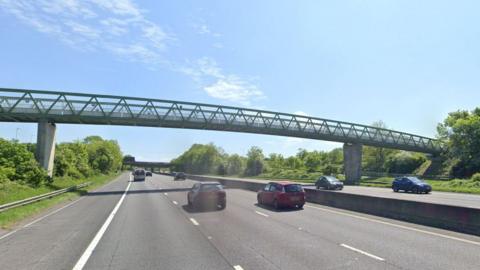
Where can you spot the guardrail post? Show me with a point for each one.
(352, 163)
(45, 149)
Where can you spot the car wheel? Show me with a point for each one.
(259, 201)
(300, 206)
(415, 190)
(318, 187)
(223, 205)
(395, 189)
(275, 204)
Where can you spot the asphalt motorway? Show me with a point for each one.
(437, 197)
(151, 227)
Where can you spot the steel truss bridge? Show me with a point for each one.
(20, 105)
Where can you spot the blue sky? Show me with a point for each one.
(407, 63)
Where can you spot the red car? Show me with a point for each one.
(282, 194)
(207, 194)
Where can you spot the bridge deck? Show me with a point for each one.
(76, 108)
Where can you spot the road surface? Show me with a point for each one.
(447, 198)
(152, 228)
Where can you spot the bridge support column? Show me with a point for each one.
(45, 149)
(352, 162)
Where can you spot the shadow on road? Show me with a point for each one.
(191, 209)
(116, 192)
(272, 209)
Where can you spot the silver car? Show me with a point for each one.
(139, 175)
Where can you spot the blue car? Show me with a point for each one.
(412, 184)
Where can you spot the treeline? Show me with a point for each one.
(93, 155)
(88, 157)
(459, 134)
(211, 159)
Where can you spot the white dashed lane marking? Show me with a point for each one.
(362, 252)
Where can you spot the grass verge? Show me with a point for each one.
(13, 192)
(455, 185)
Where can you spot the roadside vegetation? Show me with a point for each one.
(15, 192)
(459, 133)
(91, 160)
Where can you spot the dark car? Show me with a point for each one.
(148, 173)
(207, 195)
(412, 184)
(139, 175)
(282, 194)
(329, 182)
(179, 176)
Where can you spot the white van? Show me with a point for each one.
(139, 175)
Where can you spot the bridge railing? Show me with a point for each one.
(31, 105)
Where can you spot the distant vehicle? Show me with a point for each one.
(412, 184)
(207, 194)
(139, 175)
(148, 173)
(179, 176)
(329, 182)
(282, 194)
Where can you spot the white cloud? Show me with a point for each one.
(202, 28)
(216, 83)
(120, 28)
(301, 113)
(116, 26)
(234, 89)
(218, 45)
(291, 144)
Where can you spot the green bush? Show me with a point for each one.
(18, 164)
(476, 177)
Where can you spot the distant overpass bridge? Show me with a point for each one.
(48, 108)
(148, 164)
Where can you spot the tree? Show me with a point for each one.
(374, 158)
(255, 159)
(200, 159)
(294, 163)
(18, 164)
(235, 165)
(460, 132)
(313, 160)
(404, 162)
(276, 161)
(71, 159)
(104, 156)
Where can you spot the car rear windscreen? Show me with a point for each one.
(293, 188)
(139, 172)
(211, 187)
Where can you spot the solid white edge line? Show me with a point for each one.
(51, 213)
(237, 267)
(88, 252)
(397, 225)
(362, 252)
(261, 214)
(194, 221)
(8, 234)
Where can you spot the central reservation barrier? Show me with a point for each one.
(455, 218)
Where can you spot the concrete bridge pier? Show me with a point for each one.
(352, 163)
(45, 150)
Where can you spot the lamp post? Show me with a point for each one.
(16, 134)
